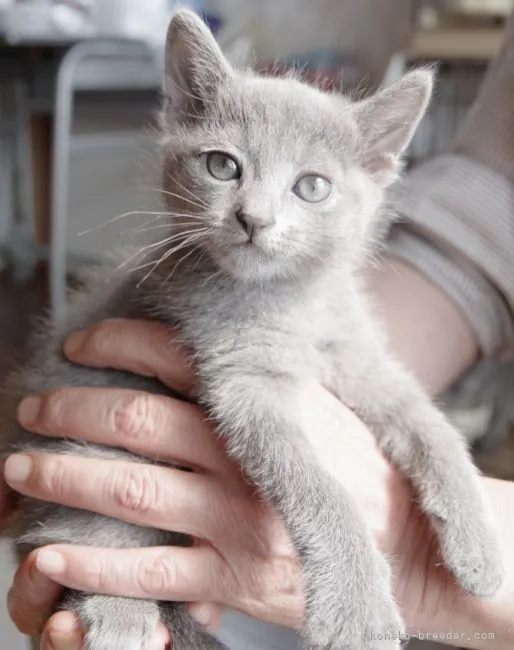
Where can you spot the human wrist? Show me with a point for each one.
(433, 606)
(489, 623)
(438, 610)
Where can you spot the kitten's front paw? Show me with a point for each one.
(364, 617)
(117, 623)
(382, 631)
(471, 550)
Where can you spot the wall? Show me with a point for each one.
(372, 29)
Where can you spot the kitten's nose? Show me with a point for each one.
(251, 223)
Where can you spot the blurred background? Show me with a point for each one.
(79, 85)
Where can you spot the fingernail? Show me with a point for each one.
(60, 641)
(202, 614)
(50, 562)
(63, 640)
(17, 468)
(75, 342)
(160, 641)
(28, 411)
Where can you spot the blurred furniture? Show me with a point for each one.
(461, 53)
(480, 7)
(453, 43)
(47, 75)
(95, 65)
(16, 207)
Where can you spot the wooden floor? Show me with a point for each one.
(20, 304)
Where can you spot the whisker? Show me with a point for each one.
(190, 192)
(167, 254)
(211, 277)
(204, 118)
(129, 214)
(185, 236)
(202, 206)
(155, 263)
(144, 250)
(172, 238)
(181, 260)
(144, 228)
(200, 257)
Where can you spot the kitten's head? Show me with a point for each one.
(270, 176)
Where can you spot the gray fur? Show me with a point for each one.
(265, 320)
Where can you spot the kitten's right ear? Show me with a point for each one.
(195, 65)
(387, 121)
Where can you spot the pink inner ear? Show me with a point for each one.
(383, 168)
(386, 162)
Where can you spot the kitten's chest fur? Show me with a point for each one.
(283, 328)
(288, 328)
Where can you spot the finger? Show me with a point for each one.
(148, 495)
(62, 632)
(168, 573)
(142, 347)
(152, 425)
(31, 598)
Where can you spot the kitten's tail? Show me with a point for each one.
(187, 633)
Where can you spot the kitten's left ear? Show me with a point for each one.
(387, 121)
(195, 65)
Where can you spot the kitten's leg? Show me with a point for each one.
(111, 623)
(187, 634)
(347, 581)
(417, 437)
(130, 624)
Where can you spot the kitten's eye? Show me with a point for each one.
(312, 188)
(222, 166)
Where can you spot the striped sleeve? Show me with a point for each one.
(457, 211)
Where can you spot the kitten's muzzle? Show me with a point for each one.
(252, 224)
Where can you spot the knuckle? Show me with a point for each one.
(97, 575)
(53, 407)
(158, 577)
(136, 490)
(132, 416)
(53, 478)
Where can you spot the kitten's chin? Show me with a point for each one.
(249, 264)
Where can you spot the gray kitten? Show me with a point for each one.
(276, 187)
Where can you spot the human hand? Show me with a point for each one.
(243, 554)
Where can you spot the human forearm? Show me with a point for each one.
(489, 624)
(433, 338)
(426, 329)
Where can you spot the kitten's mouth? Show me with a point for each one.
(241, 244)
(251, 240)
(250, 245)
(246, 244)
